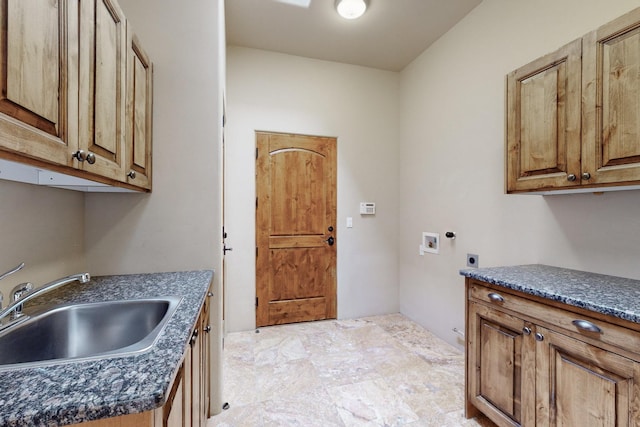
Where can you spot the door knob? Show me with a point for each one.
(330, 240)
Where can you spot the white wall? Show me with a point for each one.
(42, 227)
(177, 226)
(452, 163)
(275, 92)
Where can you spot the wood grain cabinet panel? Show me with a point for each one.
(524, 369)
(139, 113)
(573, 116)
(38, 97)
(103, 87)
(543, 121)
(611, 85)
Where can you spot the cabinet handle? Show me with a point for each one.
(585, 325)
(495, 297)
(132, 174)
(194, 337)
(207, 329)
(91, 158)
(526, 330)
(209, 294)
(571, 177)
(539, 336)
(586, 176)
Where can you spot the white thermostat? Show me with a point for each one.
(367, 208)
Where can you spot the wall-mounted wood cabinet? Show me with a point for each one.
(39, 79)
(532, 363)
(573, 116)
(65, 91)
(139, 113)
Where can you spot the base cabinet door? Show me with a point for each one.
(501, 366)
(586, 385)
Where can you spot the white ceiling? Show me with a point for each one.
(389, 36)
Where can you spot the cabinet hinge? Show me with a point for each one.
(256, 252)
(256, 301)
(256, 203)
(256, 152)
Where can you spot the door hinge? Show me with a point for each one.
(256, 301)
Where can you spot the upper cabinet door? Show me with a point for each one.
(39, 100)
(543, 121)
(611, 87)
(102, 87)
(139, 113)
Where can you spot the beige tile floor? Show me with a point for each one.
(374, 371)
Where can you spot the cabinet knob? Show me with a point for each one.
(91, 158)
(586, 176)
(526, 330)
(539, 336)
(571, 177)
(495, 297)
(132, 174)
(207, 329)
(79, 155)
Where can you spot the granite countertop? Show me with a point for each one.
(610, 295)
(74, 392)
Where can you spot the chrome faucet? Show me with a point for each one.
(24, 294)
(9, 273)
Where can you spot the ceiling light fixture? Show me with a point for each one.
(351, 9)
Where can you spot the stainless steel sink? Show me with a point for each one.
(86, 331)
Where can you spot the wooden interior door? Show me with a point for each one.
(295, 228)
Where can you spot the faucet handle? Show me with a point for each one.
(20, 290)
(13, 270)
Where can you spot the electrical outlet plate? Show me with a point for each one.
(473, 260)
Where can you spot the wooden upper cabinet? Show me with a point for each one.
(611, 86)
(103, 87)
(39, 101)
(573, 116)
(543, 121)
(139, 113)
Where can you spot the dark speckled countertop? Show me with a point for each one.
(611, 295)
(80, 391)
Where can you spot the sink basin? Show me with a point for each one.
(86, 331)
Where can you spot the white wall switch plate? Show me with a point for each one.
(349, 222)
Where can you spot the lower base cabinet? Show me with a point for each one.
(188, 401)
(533, 364)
